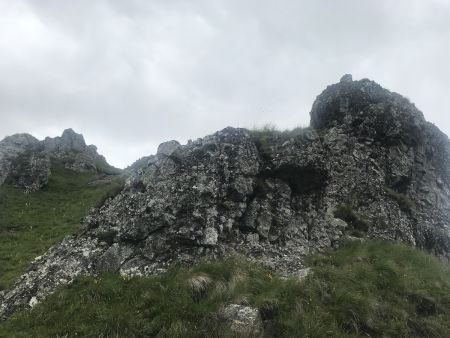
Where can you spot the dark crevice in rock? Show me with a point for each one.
(137, 187)
(401, 184)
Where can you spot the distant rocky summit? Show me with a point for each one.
(25, 161)
(368, 166)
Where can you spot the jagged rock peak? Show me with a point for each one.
(20, 140)
(73, 140)
(367, 110)
(70, 134)
(347, 78)
(69, 141)
(26, 161)
(168, 148)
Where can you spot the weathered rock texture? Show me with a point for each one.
(242, 319)
(25, 161)
(369, 165)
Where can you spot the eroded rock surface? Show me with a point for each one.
(369, 166)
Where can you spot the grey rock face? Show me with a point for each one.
(26, 161)
(12, 147)
(347, 78)
(369, 166)
(168, 148)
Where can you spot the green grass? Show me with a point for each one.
(31, 223)
(358, 222)
(264, 136)
(374, 288)
(270, 130)
(403, 201)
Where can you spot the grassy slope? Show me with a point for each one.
(31, 223)
(363, 289)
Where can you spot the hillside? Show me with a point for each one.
(31, 223)
(370, 289)
(368, 169)
(46, 188)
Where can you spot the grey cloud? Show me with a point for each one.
(131, 74)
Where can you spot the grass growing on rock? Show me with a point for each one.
(31, 223)
(363, 289)
(269, 131)
(404, 202)
(358, 222)
(264, 136)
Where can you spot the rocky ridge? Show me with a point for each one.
(26, 162)
(368, 166)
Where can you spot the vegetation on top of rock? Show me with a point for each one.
(270, 130)
(265, 135)
(32, 222)
(404, 202)
(372, 288)
(358, 222)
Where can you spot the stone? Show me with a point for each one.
(210, 237)
(168, 148)
(33, 301)
(242, 319)
(303, 273)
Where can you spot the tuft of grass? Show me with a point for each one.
(375, 288)
(403, 201)
(358, 222)
(265, 135)
(270, 131)
(31, 223)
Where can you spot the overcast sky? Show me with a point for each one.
(131, 74)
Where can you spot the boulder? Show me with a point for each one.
(242, 319)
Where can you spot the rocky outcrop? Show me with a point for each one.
(26, 161)
(369, 166)
(12, 147)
